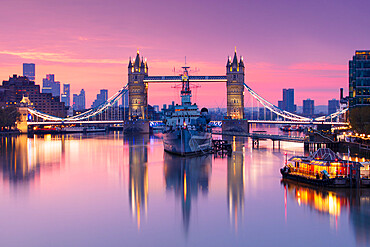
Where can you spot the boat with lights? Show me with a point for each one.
(186, 130)
(325, 168)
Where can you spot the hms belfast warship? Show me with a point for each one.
(186, 130)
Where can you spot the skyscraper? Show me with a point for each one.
(29, 71)
(49, 85)
(66, 95)
(308, 107)
(333, 106)
(100, 98)
(359, 79)
(287, 103)
(79, 101)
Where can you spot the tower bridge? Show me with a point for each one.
(137, 88)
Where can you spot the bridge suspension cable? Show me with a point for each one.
(85, 115)
(331, 116)
(289, 115)
(274, 108)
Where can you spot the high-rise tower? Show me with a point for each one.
(235, 87)
(29, 71)
(359, 79)
(138, 89)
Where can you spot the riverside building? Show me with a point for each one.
(16, 87)
(359, 79)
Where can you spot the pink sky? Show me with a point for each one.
(285, 44)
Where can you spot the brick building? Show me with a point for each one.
(13, 90)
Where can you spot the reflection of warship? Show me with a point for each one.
(333, 203)
(138, 176)
(186, 130)
(235, 182)
(186, 176)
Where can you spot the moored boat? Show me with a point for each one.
(325, 168)
(186, 130)
(289, 127)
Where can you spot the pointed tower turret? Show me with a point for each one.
(146, 67)
(235, 60)
(142, 65)
(137, 60)
(241, 64)
(129, 63)
(228, 64)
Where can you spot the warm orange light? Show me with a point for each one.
(185, 191)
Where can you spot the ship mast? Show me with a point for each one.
(185, 91)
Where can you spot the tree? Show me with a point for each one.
(8, 117)
(359, 117)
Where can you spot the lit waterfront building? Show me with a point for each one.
(29, 71)
(66, 95)
(359, 79)
(287, 103)
(308, 107)
(49, 85)
(333, 106)
(79, 101)
(100, 98)
(19, 86)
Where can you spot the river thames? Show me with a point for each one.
(116, 190)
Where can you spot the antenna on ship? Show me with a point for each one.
(185, 92)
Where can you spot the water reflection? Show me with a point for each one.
(16, 159)
(334, 203)
(187, 176)
(138, 176)
(235, 182)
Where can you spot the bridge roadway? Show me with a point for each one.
(153, 123)
(171, 79)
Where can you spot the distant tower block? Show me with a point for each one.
(235, 87)
(137, 88)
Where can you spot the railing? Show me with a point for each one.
(261, 136)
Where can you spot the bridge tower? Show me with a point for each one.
(137, 88)
(235, 87)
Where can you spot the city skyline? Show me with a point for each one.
(309, 54)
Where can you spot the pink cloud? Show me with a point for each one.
(319, 66)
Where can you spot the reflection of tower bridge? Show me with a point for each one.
(137, 88)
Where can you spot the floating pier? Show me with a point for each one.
(221, 148)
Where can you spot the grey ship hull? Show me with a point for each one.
(187, 142)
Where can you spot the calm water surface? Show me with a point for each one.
(115, 190)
